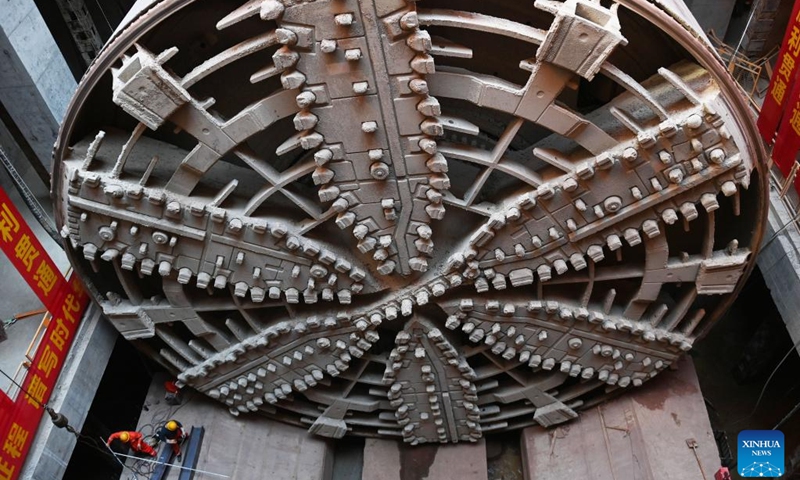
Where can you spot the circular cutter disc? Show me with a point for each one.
(423, 220)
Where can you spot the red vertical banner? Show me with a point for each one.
(28, 256)
(787, 142)
(6, 404)
(66, 302)
(783, 79)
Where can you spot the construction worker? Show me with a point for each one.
(173, 433)
(135, 440)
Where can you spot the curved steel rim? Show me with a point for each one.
(659, 15)
(105, 60)
(739, 108)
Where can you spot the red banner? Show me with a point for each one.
(6, 404)
(783, 79)
(787, 144)
(66, 302)
(29, 257)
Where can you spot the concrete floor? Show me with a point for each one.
(242, 447)
(251, 447)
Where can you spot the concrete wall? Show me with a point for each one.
(73, 395)
(35, 81)
(31, 40)
(779, 262)
(36, 86)
(25, 105)
(712, 14)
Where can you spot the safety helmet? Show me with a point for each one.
(172, 425)
(124, 436)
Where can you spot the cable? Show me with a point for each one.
(777, 234)
(156, 462)
(111, 29)
(787, 417)
(30, 200)
(119, 461)
(27, 393)
(764, 388)
(58, 419)
(744, 33)
(138, 470)
(191, 397)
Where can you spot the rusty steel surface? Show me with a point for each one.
(423, 220)
(660, 431)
